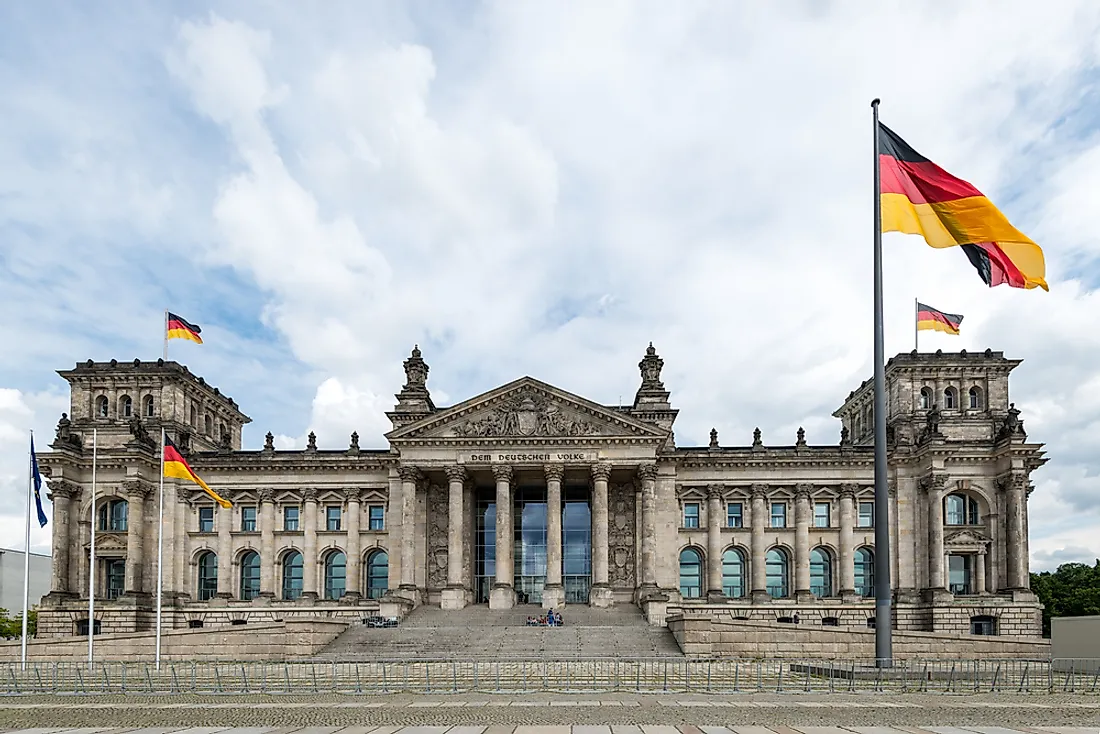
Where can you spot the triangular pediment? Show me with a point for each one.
(526, 409)
(968, 537)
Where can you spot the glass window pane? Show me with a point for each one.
(290, 518)
(377, 517)
(866, 514)
(332, 515)
(733, 515)
(206, 520)
(248, 519)
(691, 515)
(821, 515)
(777, 573)
(292, 575)
(779, 515)
(690, 574)
(733, 574)
(335, 575)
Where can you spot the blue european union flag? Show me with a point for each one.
(37, 486)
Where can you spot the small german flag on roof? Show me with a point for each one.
(181, 328)
(931, 319)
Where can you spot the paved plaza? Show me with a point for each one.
(480, 714)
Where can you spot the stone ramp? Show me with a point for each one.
(478, 632)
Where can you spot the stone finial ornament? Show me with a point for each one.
(714, 438)
(269, 442)
(354, 441)
(845, 436)
(756, 441)
(311, 441)
(650, 367)
(800, 437)
(416, 371)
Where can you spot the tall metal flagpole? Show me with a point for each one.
(160, 545)
(883, 617)
(27, 555)
(91, 563)
(916, 324)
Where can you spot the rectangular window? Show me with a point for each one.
(733, 515)
(821, 514)
(866, 515)
(116, 577)
(779, 514)
(206, 519)
(290, 518)
(960, 574)
(376, 517)
(691, 514)
(332, 518)
(248, 519)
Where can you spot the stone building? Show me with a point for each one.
(531, 494)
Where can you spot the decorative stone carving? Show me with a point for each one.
(309, 494)
(714, 438)
(139, 488)
(650, 367)
(140, 434)
(933, 482)
(528, 414)
(848, 491)
(756, 440)
(1012, 425)
(845, 436)
(601, 471)
(714, 490)
(620, 535)
(416, 371)
(311, 441)
(269, 442)
(64, 435)
(409, 474)
(352, 494)
(456, 473)
(265, 494)
(437, 536)
(647, 471)
(554, 471)
(932, 424)
(63, 488)
(759, 491)
(353, 447)
(800, 437)
(802, 491)
(502, 471)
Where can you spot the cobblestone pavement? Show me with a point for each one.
(784, 714)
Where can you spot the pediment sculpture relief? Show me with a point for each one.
(528, 414)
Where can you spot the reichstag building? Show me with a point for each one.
(529, 494)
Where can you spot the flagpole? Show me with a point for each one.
(165, 341)
(883, 616)
(916, 325)
(160, 539)
(91, 562)
(27, 555)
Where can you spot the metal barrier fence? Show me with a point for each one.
(637, 675)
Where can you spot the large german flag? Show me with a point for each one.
(932, 319)
(180, 328)
(919, 197)
(176, 466)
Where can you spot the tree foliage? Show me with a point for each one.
(1071, 591)
(11, 627)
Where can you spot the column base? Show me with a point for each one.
(503, 596)
(1022, 595)
(804, 595)
(937, 595)
(453, 598)
(849, 596)
(553, 596)
(351, 597)
(266, 595)
(760, 596)
(715, 597)
(262, 601)
(600, 596)
(308, 597)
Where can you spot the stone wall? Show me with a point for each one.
(704, 636)
(276, 641)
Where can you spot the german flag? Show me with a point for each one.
(176, 466)
(919, 197)
(931, 319)
(180, 328)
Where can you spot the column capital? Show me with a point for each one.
(63, 489)
(456, 473)
(502, 472)
(848, 491)
(933, 482)
(802, 491)
(601, 471)
(309, 494)
(409, 474)
(137, 489)
(351, 494)
(759, 491)
(714, 491)
(647, 471)
(265, 494)
(554, 472)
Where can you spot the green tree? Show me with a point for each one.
(1071, 591)
(11, 626)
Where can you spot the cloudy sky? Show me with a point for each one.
(539, 188)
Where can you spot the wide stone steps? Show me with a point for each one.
(479, 633)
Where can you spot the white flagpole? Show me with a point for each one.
(91, 562)
(160, 538)
(27, 555)
(165, 341)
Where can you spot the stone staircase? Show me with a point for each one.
(477, 632)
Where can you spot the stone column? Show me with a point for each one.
(934, 486)
(353, 546)
(62, 492)
(410, 476)
(267, 543)
(309, 546)
(979, 572)
(136, 491)
(647, 473)
(1015, 493)
(600, 594)
(714, 543)
(225, 552)
(503, 596)
(758, 564)
(553, 593)
(454, 596)
(802, 543)
(847, 559)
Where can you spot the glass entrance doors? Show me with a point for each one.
(529, 520)
(576, 545)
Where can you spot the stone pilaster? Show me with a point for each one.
(802, 543)
(647, 474)
(758, 564)
(454, 596)
(310, 586)
(714, 543)
(225, 552)
(847, 558)
(503, 595)
(267, 543)
(553, 593)
(600, 594)
(1015, 507)
(979, 573)
(62, 493)
(410, 477)
(353, 546)
(136, 491)
(934, 489)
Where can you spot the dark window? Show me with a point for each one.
(865, 572)
(866, 515)
(975, 396)
(777, 574)
(830, 622)
(950, 399)
(821, 573)
(206, 519)
(960, 574)
(194, 624)
(239, 621)
(112, 516)
(250, 575)
(290, 518)
(335, 575)
(378, 573)
(332, 518)
(691, 515)
(208, 425)
(376, 517)
(208, 576)
(248, 519)
(82, 627)
(116, 577)
(925, 398)
(292, 575)
(126, 406)
(733, 573)
(691, 573)
(983, 625)
(871, 622)
(150, 406)
(101, 409)
(734, 518)
(821, 514)
(960, 510)
(787, 620)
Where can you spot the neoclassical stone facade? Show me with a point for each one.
(530, 494)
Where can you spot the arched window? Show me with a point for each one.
(950, 399)
(292, 575)
(150, 406)
(778, 573)
(208, 575)
(691, 574)
(223, 433)
(101, 406)
(925, 398)
(335, 574)
(865, 572)
(378, 574)
(112, 516)
(858, 427)
(733, 573)
(960, 510)
(975, 398)
(821, 572)
(125, 406)
(194, 417)
(250, 575)
(209, 426)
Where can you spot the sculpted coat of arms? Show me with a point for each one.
(527, 414)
